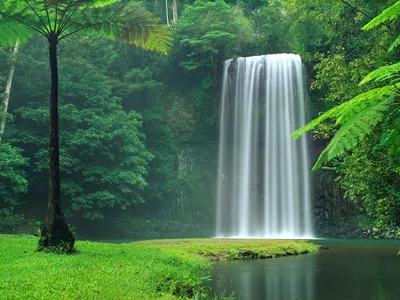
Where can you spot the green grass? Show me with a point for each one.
(160, 269)
(99, 271)
(230, 249)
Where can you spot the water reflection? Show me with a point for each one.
(289, 278)
(344, 272)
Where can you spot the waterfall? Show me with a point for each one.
(263, 186)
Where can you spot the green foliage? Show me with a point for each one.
(357, 117)
(249, 6)
(56, 20)
(359, 98)
(271, 29)
(383, 74)
(161, 228)
(337, 76)
(10, 30)
(60, 19)
(318, 26)
(389, 14)
(9, 220)
(371, 175)
(13, 184)
(141, 92)
(123, 22)
(13, 181)
(310, 28)
(103, 157)
(113, 95)
(209, 32)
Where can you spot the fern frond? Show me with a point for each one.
(11, 31)
(395, 44)
(124, 23)
(83, 3)
(390, 13)
(382, 74)
(353, 131)
(347, 110)
(17, 22)
(98, 3)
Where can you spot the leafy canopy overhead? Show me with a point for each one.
(58, 19)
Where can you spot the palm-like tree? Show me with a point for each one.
(56, 20)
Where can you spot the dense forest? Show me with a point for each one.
(139, 129)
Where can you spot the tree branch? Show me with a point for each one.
(37, 29)
(62, 16)
(37, 15)
(80, 29)
(62, 26)
(356, 9)
(55, 19)
(47, 14)
(361, 12)
(85, 27)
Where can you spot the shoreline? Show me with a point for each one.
(156, 269)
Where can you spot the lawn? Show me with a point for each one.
(160, 269)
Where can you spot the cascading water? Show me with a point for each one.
(263, 175)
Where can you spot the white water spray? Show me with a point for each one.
(264, 187)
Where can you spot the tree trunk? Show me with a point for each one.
(54, 230)
(174, 12)
(8, 89)
(166, 11)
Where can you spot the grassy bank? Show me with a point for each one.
(230, 249)
(99, 271)
(165, 269)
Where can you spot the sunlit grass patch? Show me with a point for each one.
(216, 249)
(99, 271)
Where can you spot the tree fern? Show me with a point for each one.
(347, 110)
(389, 14)
(353, 131)
(124, 23)
(381, 74)
(56, 20)
(359, 116)
(10, 29)
(107, 18)
(395, 44)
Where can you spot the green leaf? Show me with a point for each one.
(391, 13)
(395, 44)
(383, 74)
(347, 110)
(353, 131)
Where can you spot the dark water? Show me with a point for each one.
(364, 270)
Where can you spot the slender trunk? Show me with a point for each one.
(55, 231)
(174, 11)
(8, 89)
(166, 11)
